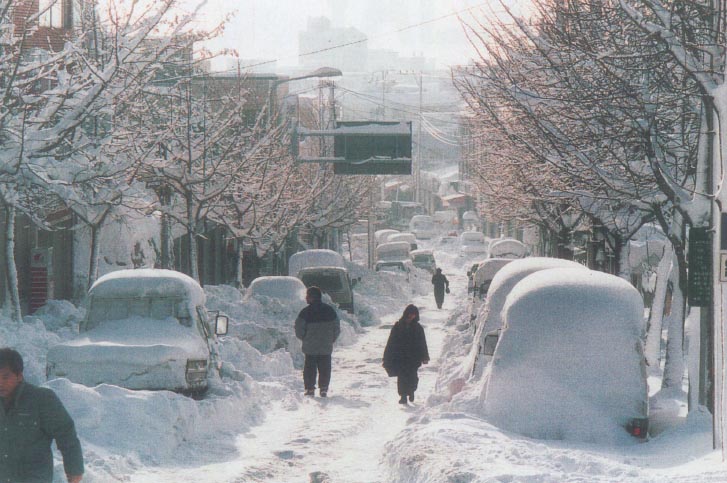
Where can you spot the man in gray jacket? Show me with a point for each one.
(31, 418)
(317, 325)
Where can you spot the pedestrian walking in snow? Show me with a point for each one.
(406, 350)
(441, 284)
(31, 418)
(317, 325)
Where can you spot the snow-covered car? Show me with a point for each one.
(393, 251)
(284, 289)
(422, 226)
(471, 275)
(318, 257)
(507, 248)
(381, 236)
(424, 258)
(395, 266)
(144, 329)
(405, 237)
(326, 270)
(334, 281)
(488, 319)
(569, 362)
(486, 271)
(472, 243)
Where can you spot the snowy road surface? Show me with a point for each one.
(340, 438)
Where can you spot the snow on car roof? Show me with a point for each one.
(569, 364)
(422, 251)
(507, 247)
(283, 288)
(314, 258)
(507, 277)
(148, 282)
(487, 269)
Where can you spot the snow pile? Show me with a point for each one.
(575, 371)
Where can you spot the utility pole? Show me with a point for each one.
(418, 166)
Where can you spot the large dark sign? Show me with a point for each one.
(373, 147)
(364, 147)
(700, 267)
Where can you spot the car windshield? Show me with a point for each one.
(423, 258)
(328, 282)
(114, 309)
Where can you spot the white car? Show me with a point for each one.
(473, 243)
(569, 362)
(144, 329)
(507, 248)
(423, 227)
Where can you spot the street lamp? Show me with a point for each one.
(320, 72)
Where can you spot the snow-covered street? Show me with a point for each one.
(341, 437)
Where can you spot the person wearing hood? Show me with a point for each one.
(406, 350)
(441, 284)
(317, 325)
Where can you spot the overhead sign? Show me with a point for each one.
(365, 147)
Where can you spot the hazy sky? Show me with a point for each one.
(269, 29)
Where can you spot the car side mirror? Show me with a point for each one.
(490, 344)
(221, 323)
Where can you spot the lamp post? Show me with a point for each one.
(320, 73)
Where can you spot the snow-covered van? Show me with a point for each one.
(507, 248)
(569, 362)
(424, 258)
(381, 236)
(422, 226)
(144, 329)
(393, 251)
(405, 237)
(326, 270)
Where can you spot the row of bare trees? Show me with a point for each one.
(119, 118)
(600, 112)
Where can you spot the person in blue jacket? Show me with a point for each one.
(31, 418)
(317, 325)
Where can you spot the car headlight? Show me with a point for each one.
(196, 371)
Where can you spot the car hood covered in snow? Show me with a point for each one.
(136, 353)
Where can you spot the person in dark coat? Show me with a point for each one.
(406, 350)
(317, 325)
(31, 418)
(441, 284)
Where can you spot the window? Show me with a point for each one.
(52, 13)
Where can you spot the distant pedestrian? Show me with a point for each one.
(30, 419)
(317, 325)
(406, 350)
(441, 284)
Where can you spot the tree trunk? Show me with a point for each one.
(656, 313)
(191, 232)
(95, 248)
(674, 360)
(12, 269)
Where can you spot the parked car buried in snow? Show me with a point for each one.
(326, 270)
(144, 329)
(424, 258)
(473, 243)
(569, 362)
